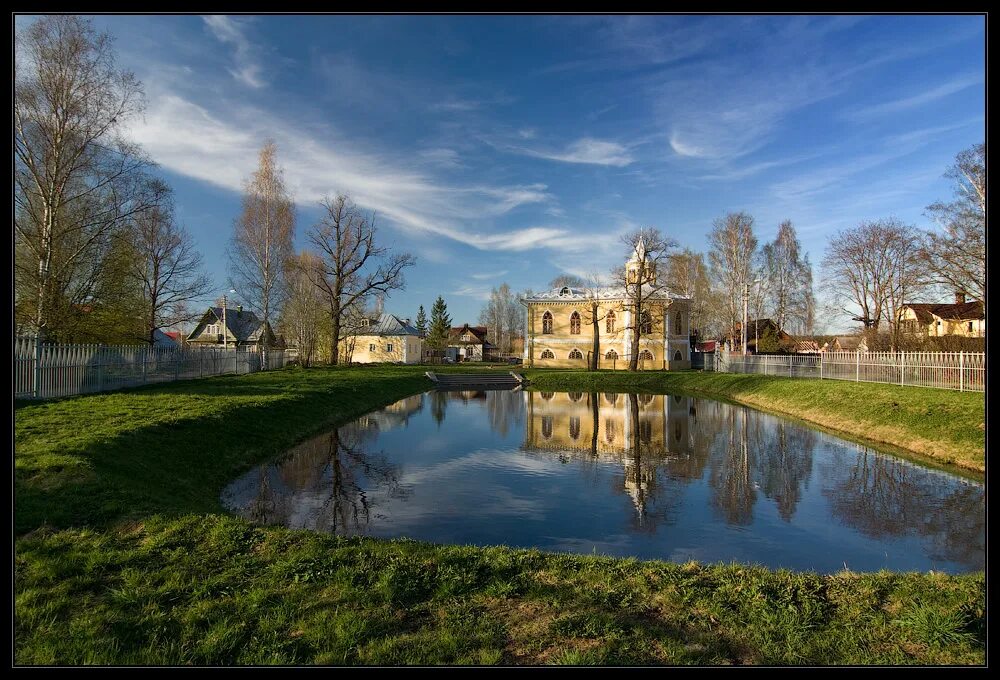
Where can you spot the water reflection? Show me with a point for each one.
(647, 475)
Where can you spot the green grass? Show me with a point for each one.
(946, 426)
(123, 556)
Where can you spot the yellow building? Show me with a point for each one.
(559, 331)
(387, 339)
(966, 319)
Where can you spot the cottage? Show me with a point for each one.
(759, 330)
(965, 319)
(847, 343)
(227, 327)
(558, 334)
(385, 338)
(470, 344)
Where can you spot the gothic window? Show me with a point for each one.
(547, 395)
(645, 431)
(611, 397)
(609, 430)
(547, 427)
(574, 323)
(610, 322)
(611, 355)
(575, 396)
(574, 427)
(645, 399)
(645, 355)
(677, 356)
(575, 354)
(645, 324)
(547, 322)
(547, 354)
(677, 323)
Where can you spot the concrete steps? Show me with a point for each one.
(465, 381)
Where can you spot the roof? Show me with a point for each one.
(389, 324)
(956, 312)
(478, 332)
(168, 339)
(849, 341)
(243, 324)
(571, 294)
(805, 346)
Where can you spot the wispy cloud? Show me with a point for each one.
(586, 150)
(248, 68)
(934, 94)
(189, 139)
(486, 276)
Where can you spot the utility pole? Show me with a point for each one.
(225, 336)
(746, 302)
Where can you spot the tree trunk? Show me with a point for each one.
(596, 355)
(335, 339)
(633, 361)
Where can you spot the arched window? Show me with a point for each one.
(611, 355)
(575, 396)
(677, 356)
(575, 354)
(547, 322)
(645, 323)
(645, 355)
(574, 323)
(611, 397)
(547, 354)
(645, 431)
(609, 430)
(574, 427)
(645, 399)
(677, 323)
(547, 427)
(547, 395)
(609, 321)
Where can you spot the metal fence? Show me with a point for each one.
(43, 370)
(963, 371)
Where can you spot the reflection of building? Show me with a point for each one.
(639, 431)
(560, 333)
(394, 415)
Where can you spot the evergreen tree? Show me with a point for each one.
(437, 338)
(422, 322)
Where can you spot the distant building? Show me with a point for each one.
(756, 330)
(558, 336)
(471, 344)
(966, 319)
(386, 338)
(230, 327)
(847, 343)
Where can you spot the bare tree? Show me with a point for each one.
(957, 257)
(262, 238)
(688, 275)
(571, 280)
(789, 281)
(352, 266)
(648, 252)
(76, 178)
(872, 269)
(594, 315)
(164, 264)
(502, 316)
(731, 257)
(303, 314)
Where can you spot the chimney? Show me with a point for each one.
(378, 305)
(959, 297)
(239, 309)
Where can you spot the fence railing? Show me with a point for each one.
(964, 371)
(43, 370)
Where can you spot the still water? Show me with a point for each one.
(650, 476)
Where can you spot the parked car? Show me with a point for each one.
(514, 360)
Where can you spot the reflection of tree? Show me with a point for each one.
(506, 409)
(884, 497)
(785, 464)
(439, 403)
(730, 478)
(325, 484)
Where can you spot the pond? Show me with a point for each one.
(649, 476)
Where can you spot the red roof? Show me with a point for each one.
(173, 335)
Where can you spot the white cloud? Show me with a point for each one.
(248, 68)
(914, 101)
(586, 150)
(189, 139)
(485, 276)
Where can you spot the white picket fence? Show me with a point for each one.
(963, 371)
(43, 371)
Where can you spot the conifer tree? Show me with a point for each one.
(437, 338)
(422, 322)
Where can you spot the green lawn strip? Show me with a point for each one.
(944, 425)
(217, 590)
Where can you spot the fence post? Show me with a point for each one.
(821, 365)
(902, 365)
(961, 371)
(36, 377)
(100, 369)
(789, 367)
(857, 366)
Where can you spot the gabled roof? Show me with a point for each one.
(570, 294)
(389, 324)
(478, 332)
(242, 324)
(954, 312)
(849, 342)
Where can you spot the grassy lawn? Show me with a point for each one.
(124, 556)
(947, 426)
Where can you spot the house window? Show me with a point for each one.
(677, 356)
(610, 322)
(371, 348)
(645, 324)
(677, 323)
(970, 326)
(575, 354)
(645, 355)
(467, 337)
(574, 323)
(645, 399)
(547, 354)
(611, 355)
(575, 396)
(546, 323)
(645, 431)
(388, 347)
(609, 430)
(574, 427)
(547, 395)
(611, 397)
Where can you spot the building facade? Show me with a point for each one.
(965, 319)
(559, 330)
(228, 327)
(387, 339)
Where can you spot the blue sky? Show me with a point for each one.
(514, 148)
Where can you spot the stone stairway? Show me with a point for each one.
(466, 381)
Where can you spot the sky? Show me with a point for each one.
(516, 148)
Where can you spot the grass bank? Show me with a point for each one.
(944, 425)
(123, 556)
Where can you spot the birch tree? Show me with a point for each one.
(262, 237)
(733, 245)
(789, 280)
(303, 314)
(688, 275)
